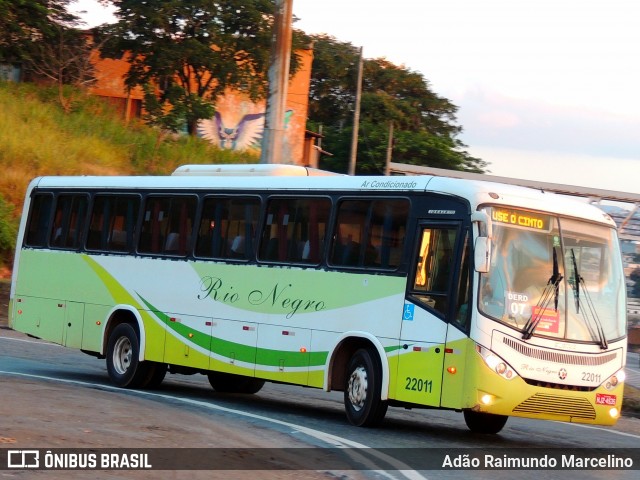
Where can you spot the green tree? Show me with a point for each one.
(63, 58)
(186, 54)
(426, 132)
(26, 23)
(43, 37)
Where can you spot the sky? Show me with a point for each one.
(546, 90)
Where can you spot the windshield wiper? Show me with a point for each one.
(590, 314)
(550, 291)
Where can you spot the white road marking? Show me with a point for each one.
(325, 437)
(593, 427)
(333, 440)
(37, 342)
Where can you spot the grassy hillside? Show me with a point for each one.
(38, 138)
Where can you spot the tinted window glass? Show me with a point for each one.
(435, 267)
(295, 230)
(463, 293)
(69, 220)
(370, 233)
(113, 222)
(228, 228)
(39, 220)
(167, 225)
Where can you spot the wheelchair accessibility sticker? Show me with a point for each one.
(408, 312)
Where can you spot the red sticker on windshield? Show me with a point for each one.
(549, 320)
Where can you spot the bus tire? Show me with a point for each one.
(157, 372)
(486, 423)
(230, 383)
(362, 389)
(123, 364)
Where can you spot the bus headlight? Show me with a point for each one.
(615, 379)
(495, 363)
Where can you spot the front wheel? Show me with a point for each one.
(487, 423)
(123, 364)
(362, 390)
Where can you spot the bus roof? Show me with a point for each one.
(259, 170)
(476, 192)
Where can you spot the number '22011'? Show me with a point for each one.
(418, 385)
(591, 377)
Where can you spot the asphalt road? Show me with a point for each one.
(52, 397)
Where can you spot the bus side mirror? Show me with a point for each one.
(482, 254)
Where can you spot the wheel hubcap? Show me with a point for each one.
(358, 388)
(122, 353)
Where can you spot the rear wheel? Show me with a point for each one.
(362, 389)
(157, 372)
(488, 423)
(229, 383)
(123, 364)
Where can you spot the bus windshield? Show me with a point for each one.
(554, 277)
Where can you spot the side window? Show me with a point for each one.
(295, 230)
(69, 220)
(228, 228)
(113, 222)
(463, 293)
(434, 267)
(370, 233)
(167, 225)
(39, 220)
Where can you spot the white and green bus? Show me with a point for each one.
(424, 291)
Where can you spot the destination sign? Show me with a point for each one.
(521, 219)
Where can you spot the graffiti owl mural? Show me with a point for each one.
(246, 134)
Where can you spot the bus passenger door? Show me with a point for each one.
(458, 344)
(426, 307)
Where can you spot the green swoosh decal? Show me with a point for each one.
(244, 353)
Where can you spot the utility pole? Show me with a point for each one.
(387, 167)
(356, 120)
(272, 139)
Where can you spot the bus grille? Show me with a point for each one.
(542, 403)
(559, 386)
(559, 357)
